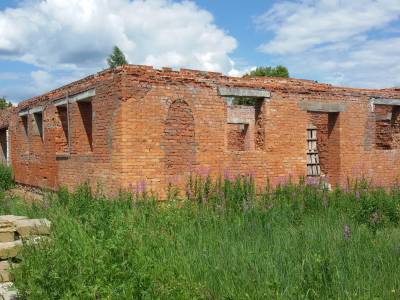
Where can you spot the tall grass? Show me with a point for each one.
(225, 242)
(6, 177)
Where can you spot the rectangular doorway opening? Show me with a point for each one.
(323, 148)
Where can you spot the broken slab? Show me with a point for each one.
(7, 291)
(11, 218)
(7, 231)
(6, 276)
(6, 265)
(7, 236)
(10, 249)
(29, 227)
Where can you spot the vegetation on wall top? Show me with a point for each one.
(4, 103)
(278, 71)
(116, 58)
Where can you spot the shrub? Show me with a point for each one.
(377, 209)
(6, 177)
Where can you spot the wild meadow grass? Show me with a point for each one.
(223, 241)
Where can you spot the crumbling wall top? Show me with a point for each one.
(150, 75)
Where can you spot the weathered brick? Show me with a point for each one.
(10, 249)
(7, 231)
(148, 128)
(32, 227)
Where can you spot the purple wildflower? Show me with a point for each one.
(251, 173)
(204, 171)
(281, 181)
(313, 181)
(141, 186)
(228, 175)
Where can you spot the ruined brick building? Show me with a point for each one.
(139, 124)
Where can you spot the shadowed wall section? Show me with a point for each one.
(328, 146)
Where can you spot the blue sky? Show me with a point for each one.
(45, 44)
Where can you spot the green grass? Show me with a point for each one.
(225, 242)
(6, 177)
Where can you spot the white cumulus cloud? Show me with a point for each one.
(78, 35)
(81, 33)
(338, 41)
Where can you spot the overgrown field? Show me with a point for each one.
(225, 242)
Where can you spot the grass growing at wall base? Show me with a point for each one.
(6, 177)
(295, 242)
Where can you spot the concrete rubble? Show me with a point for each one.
(15, 231)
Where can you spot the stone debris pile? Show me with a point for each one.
(14, 232)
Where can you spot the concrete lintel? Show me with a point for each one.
(23, 113)
(237, 121)
(60, 102)
(381, 101)
(36, 110)
(322, 106)
(243, 92)
(83, 96)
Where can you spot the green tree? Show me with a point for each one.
(4, 103)
(278, 71)
(116, 58)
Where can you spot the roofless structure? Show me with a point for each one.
(138, 124)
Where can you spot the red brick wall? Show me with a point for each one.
(237, 137)
(49, 162)
(179, 140)
(131, 114)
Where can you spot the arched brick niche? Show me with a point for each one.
(179, 139)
